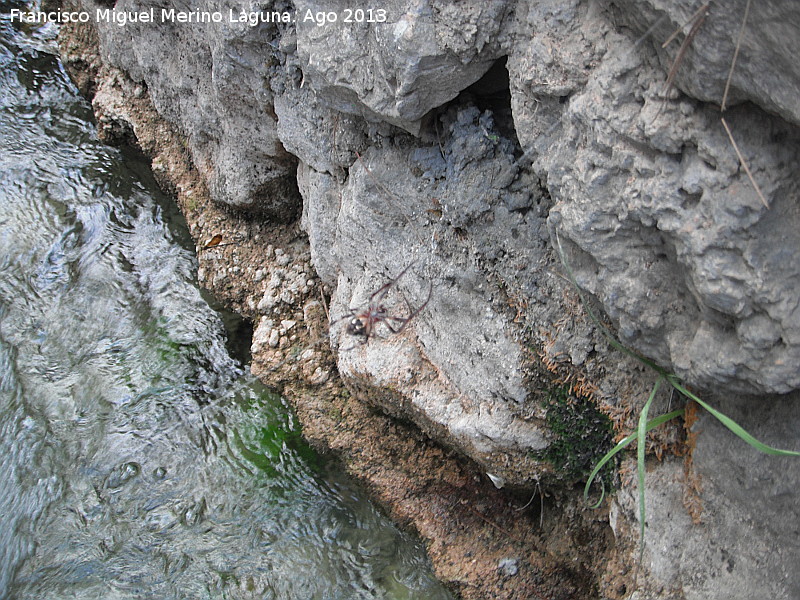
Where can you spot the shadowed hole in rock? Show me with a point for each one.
(492, 92)
(688, 199)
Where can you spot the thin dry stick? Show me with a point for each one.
(649, 31)
(735, 56)
(495, 525)
(724, 105)
(700, 12)
(215, 246)
(438, 137)
(538, 490)
(743, 162)
(324, 303)
(698, 17)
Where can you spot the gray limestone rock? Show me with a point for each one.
(211, 82)
(766, 72)
(666, 228)
(402, 60)
(468, 210)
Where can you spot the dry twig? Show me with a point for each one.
(724, 106)
(697, 20)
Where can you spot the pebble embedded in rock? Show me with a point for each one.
(508, 566)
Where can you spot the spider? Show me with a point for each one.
(363, 322)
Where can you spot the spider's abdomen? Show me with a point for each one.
(356, 327)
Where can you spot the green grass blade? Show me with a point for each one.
(621, 445)
(644, 426)
(600, 464)
(641, 434)
(730, 423)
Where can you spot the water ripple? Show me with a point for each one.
(139, 461)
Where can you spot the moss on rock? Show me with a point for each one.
(581, 436)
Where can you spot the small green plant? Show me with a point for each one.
(644, 424)
(582, 434)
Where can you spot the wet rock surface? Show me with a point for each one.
(464, 144)
(198, 77)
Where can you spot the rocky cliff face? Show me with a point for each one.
(463, 141)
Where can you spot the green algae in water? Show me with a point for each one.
(140, 460)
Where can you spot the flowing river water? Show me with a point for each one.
(137, 457)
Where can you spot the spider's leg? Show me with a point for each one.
(418, 310)
(401, 321)
(369, 328)
(348, 315)
(379, 295)
(408, 306)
